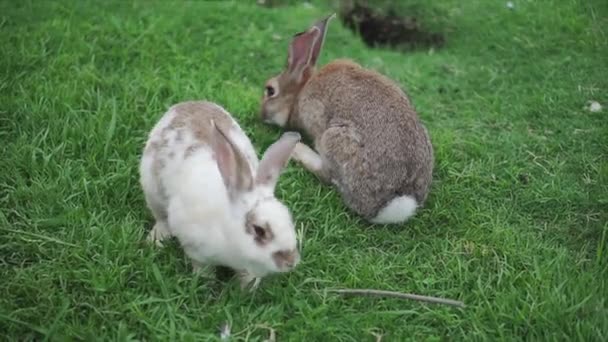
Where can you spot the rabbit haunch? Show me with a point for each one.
(204, 185)
(367, 138)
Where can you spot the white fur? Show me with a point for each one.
(308, 157)
(189, 200)
(202, 217)
(397, 210)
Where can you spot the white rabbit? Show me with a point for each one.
(204, 185)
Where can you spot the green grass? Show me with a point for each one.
(515, 226)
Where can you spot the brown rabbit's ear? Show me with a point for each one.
(232, 164)
(300, 51)
(275, 158)
(318, 44)
(306, 46)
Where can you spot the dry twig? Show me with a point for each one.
(377, 336)
(272, 335)
(382, 293)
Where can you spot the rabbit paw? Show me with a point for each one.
(202, 269)
(248, 280)
(158, 233)
(311, 160)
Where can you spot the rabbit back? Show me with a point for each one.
(178, 146)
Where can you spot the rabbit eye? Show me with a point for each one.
(259, 232)
(270, 91)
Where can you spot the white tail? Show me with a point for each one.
(397, 210)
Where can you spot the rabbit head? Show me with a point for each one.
(281, 91)
(269, 243)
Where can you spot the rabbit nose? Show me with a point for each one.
(263, 113)
(294, 260)
(291, 264)
(266, 117)
(286, 260)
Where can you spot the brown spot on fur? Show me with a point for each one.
(285, 258)
(191, 149)
(196, 116)
(261, 231)
(179, 136)
(159, 164)
(152, 146)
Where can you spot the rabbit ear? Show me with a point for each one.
(300, 51)
(318, 44)
(275, 158)
(306, 46)
(232, 164)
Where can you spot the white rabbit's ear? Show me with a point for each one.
(275, 159)
(300, 52)
(232, 164)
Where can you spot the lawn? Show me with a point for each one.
(516, 224)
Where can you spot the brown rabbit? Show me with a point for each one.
(368, 140)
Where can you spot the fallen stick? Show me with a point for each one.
(381, 293)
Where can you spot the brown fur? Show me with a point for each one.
(285, 99)
(285, 258)
(194, 116)
(197, 116)
(373, 146)
(260, 240)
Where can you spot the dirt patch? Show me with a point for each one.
(388, 29)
